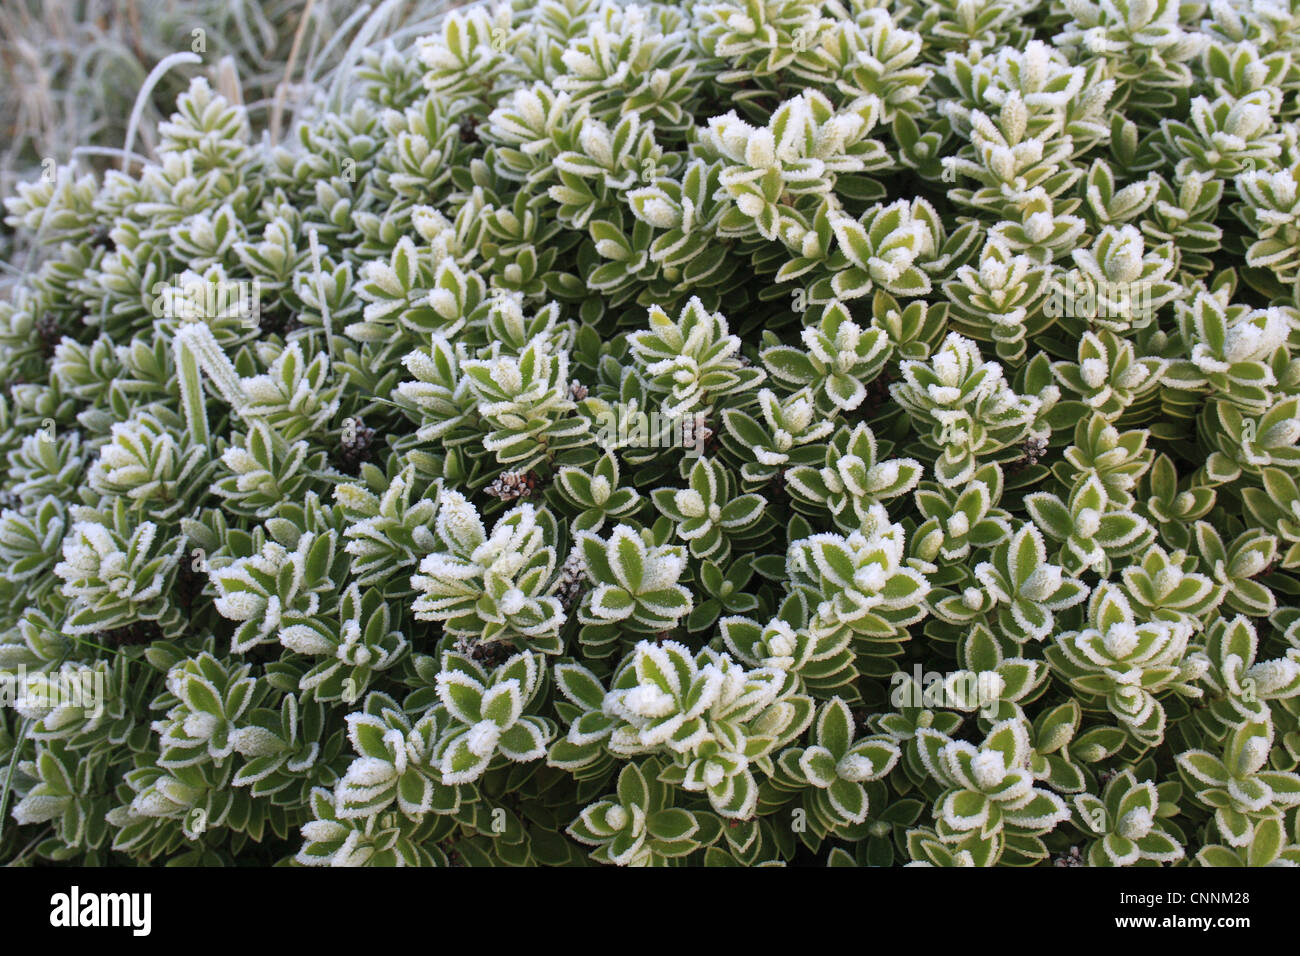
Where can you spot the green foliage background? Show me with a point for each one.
(980, 317)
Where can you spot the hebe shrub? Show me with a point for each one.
(689, 433)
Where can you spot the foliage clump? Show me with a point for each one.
(721, 433)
